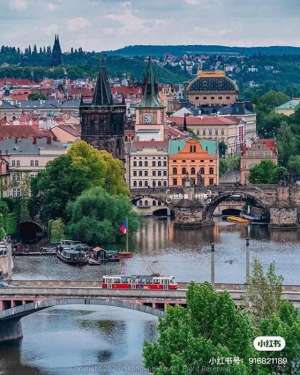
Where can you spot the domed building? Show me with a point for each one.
(212, 88)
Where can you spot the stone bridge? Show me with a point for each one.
(195, 206)
(22, 298)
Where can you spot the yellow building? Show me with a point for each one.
(212, 88)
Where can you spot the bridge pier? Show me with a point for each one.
(189, 214)
(284, 217)
(10, 330)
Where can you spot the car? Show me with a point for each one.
(3, 284)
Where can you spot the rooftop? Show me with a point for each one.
(29, 146)
(291, 104)
(212, 81)
(177, 145)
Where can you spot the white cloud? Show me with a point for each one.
(52, 7)
(18, 4)
(78, 23)
(51, 29)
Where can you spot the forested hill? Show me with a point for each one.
(179, 50)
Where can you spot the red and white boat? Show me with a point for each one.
(139, 282)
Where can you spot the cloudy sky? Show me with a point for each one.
(110, 24)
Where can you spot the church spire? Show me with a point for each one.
(56, 52)
(150, 88)
(102, 94)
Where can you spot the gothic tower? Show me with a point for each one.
(102, 121)
(56, 53)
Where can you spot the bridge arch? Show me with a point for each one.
(31, 231)
(229, 196)
(21, 311)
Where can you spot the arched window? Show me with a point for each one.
(174, 170)
(202, 170)
(193, 170)
(183, 171)
(146, 203)
(211, 170)
(153, 203)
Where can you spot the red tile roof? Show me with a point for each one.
(22, 131)
(205, 120)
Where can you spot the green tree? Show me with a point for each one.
(263, 293)
(267, 172)
(66, 177)
(2, 227)
(56, 230)
(211, 326)
(95, 216)
(37, 96)
(222, 149)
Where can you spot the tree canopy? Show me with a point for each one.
(266, 172)
(95, 216)
(67, 176)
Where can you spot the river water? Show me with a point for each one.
(105, 340)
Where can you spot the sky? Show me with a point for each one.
(110, 24)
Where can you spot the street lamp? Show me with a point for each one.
(212, 263)
(247, 260)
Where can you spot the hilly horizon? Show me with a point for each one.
(181, 49)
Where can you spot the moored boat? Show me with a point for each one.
(125, 254)
(237, 219)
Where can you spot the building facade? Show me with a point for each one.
(195, 160)
(23, 159)
(233, 131)
(102, 121)
(211, 88)
(260, 150)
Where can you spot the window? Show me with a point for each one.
(140, 173)
(212, 98)
(134, 173)
(174, 170)
(140, 183)
(193, 148)
(202, 170)
(158, 173)
(18, 163)
(165, 173)
(174, 181)
(183, 171)
(211, 181)
(140, 163)
(227, 97)
(146, 164)
(204, 97)
(146, 184)
(32, 163)
(183, 161)
(210, 132)
(222, 131)
(159, 183)
(153, 173)
(153, 184)
(13, 163)
(193, 170)
(36, 163)
(197, 97)
(146, 173)
(134, 183)
(165, 163)
(134, 163)
(159, 163)
(146, 202)
(220, 97)
(204, 132)
(153, 163)
(211, 170)
(153, 203)
(198, 132)
(165, 183)
(217, 133)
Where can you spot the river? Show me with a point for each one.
(104, 340)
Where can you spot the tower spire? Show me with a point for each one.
(150, 88)
(56, 52)
(102, 94)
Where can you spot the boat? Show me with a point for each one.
(125, 254)
(94, 262)
(100, 255)
(72, 252)
(237, 219)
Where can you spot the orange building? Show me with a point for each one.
(197, 160)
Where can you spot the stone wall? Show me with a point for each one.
(283, 217)
(6, 261)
